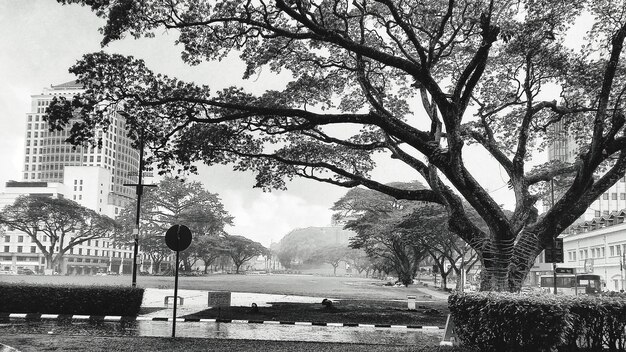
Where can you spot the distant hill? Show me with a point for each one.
(300, 244)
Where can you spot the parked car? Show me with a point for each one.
(25, 271)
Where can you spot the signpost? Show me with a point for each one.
(177, 238)
(139, 191)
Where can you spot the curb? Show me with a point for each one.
(5, 348)
(113, 318)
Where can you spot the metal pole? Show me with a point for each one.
(621, 268)
(175, 296)
(554, 238)
(139, 193)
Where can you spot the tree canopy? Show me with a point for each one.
(417, 80)
(56, 225)
(176, 201)
(241, 249)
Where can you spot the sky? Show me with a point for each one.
(40, 40)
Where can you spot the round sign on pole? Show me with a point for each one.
(178, 237)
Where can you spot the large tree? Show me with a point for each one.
(241, 249)
(398, 231)
(56, 225)
(447, 250)
(418, 80)
(176, 201)
(382, 239)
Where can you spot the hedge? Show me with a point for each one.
(67, 299)
(518, 322)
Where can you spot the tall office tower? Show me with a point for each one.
(47, 154)
(565, 149)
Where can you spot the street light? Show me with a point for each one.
(139, 191)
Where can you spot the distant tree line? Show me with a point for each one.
(391, 237)
(57, 225)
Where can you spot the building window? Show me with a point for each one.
(605, 196)
(19, 249)
(6, 249)
(612, 250)
(597, 213)
(20, 238)
(614, 196)
(7, 238)
(33, 249)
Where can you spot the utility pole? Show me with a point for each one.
(554, 239)
(139, 191)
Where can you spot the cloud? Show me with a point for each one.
(267, 217)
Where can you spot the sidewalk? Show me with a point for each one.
(433, 292)
(197, 300)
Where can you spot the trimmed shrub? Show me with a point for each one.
(517, 322)
(508, 322)
(84, 300)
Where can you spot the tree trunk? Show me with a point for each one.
(506, 267)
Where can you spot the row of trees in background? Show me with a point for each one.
(401, 235)
(385, 236)
(64, 224)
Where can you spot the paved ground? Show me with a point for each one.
(197, 300)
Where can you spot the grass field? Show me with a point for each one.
(362, 301)
(299, 285)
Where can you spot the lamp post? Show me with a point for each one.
(139, 191)
(554, 239)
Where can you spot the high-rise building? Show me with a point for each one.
(93, 177)
(47, 154)
(565, 149)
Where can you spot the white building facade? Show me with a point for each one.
(47, 154)
(599, 247)
(93, 177)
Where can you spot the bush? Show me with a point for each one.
(508, 322)
(84, 300)
(518, 322)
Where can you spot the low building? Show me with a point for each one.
(18, 251)
(598, 246)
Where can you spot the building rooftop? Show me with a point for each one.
(68, 85)
(614, 218)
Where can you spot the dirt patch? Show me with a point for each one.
(344, 311)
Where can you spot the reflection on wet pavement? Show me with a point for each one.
(277, 332)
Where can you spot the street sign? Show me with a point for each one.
(554, 252)
(565, 270)
(178, 237)
(143, 174)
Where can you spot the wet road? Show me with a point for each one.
(277, 332)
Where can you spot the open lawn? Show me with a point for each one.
(346, 311)
(299, 285)
(364, 301)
